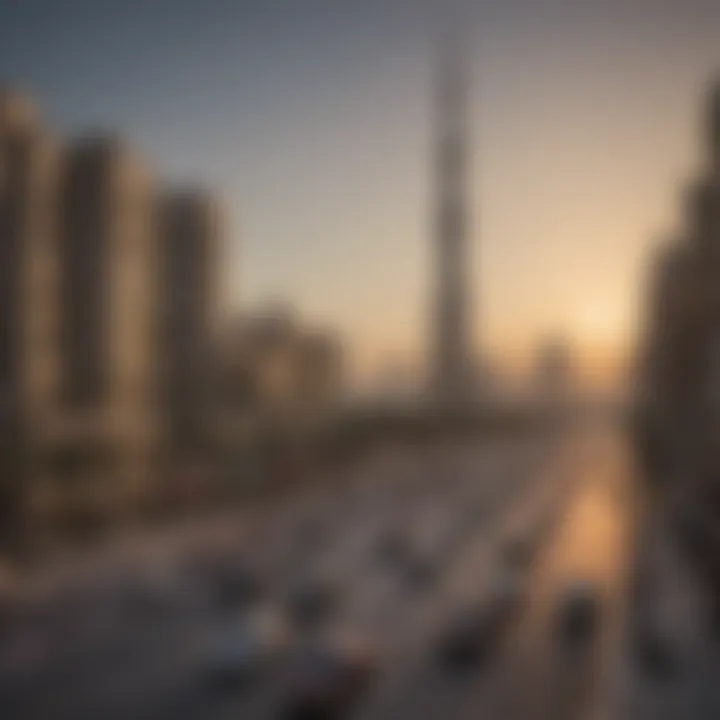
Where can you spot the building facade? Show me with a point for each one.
(28, 273)
(109, 300)
(191, 229)
(679, 368)
(106, 422)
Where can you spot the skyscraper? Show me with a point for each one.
(451, 342)
(108, 305)
(27, 273)
(678, 400)
(108, 309)
(190, 243)
(27, 166)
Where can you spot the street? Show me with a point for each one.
(135, 644)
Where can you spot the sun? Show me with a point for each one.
(601, 325)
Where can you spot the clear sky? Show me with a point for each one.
(313, 121)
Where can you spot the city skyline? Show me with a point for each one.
(319, 142)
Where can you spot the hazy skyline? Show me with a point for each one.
(313, 120)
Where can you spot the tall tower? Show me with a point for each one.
(713, 128)
(450, 363)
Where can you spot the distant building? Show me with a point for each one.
(279, 372)
(553, 364)
(319, 372)
(191, 231)
(553, 373)
(396, 383)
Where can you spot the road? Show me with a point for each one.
(91, 652)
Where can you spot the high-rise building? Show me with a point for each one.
(27, 260)
(27, 275)
(679, 382)
(191, 230)
(109, 300)
(108, 312)
(451, 364)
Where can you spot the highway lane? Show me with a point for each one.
(547, 679)
(399, 621)
(416, 686)
(151, 667)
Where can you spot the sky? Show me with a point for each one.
(313, 122)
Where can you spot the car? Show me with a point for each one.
(237, 585)
(421, 570)
(467, 639)
(695, 533)
(327, 679)
(244, 650)
(391, 548)
(312, 601)
(579, 611)
(654, 654)
(230, 581)
(150, 594)
(476, 631)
